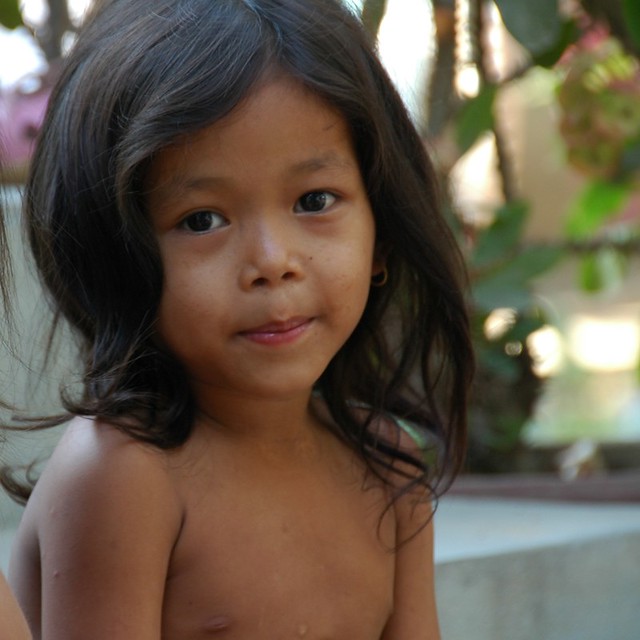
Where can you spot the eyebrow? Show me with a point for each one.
(180, 184)
(330, 160)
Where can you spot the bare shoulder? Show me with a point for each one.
(98, 463)
(97, 536)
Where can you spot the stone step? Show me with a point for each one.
(526, 570)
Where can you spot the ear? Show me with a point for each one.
(380, 255)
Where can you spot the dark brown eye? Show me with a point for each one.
(314, 201)
(202, 221)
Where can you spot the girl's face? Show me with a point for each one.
(267, 242)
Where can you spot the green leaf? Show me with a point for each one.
(569, 34)
(604, 269)
(589, 274)
(372, 14)
(498, 292)
(631, 13)
(598, 202)
(475, 117)
(532, 262)
(631, 157)
(509, 286)
(10, 15)
(501, 237)
(536, 24)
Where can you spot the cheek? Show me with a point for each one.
(186, 308)
(185, 325)
(350, 280)
(192, 286)
(192, 307)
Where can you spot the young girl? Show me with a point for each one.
(231, 208)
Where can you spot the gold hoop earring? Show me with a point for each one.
(380, 279)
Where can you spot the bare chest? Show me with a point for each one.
(269, 561)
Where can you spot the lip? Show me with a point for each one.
(276, 333)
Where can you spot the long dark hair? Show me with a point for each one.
(146, 73)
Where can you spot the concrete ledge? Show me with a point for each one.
(513, 570)
(620, 486)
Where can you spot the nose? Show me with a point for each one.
(271, 254)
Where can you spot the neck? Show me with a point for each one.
(266, 423)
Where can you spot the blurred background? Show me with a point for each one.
(531, 111)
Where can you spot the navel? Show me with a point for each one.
(217, 623)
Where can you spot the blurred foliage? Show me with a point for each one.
(10, 16)
(536, 25)
(599, 100)
(50, 35)
(593, 48)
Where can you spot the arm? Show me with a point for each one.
(415, 616)
(12, 622)
(414, 609)
(106, 519)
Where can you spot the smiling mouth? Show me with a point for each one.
(274, 333)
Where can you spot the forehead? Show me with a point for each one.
(279, 126)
